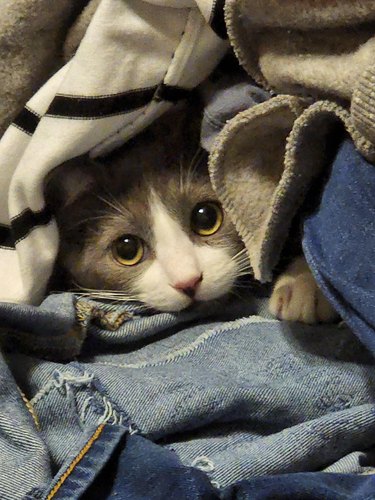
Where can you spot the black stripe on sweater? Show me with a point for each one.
(27, 220)
(217, 21)
(27, 121)
(81, 107)
(171, 93)
(6, 237)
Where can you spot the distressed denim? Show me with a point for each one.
(217, 398)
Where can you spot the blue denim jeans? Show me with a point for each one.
(106, 401)
(339, 241)
(139, 469)
(198, 403)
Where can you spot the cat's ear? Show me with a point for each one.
(69, 181)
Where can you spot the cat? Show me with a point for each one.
(156, 234)
(145, 225)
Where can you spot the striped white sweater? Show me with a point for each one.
(136, 60)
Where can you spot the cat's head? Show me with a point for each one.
(148, 232)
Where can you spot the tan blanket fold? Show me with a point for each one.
(264, 161)
(304, 47)
(31, 38)
(307, 14)
(363, 107)
(315, 48)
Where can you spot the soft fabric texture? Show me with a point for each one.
(254, 399)
(313, 51)
(232, 392)
(223, 98)
(262, 187)
(124, 466)
(135, 61)
(339, 241)
(303, 46)
(32, 35)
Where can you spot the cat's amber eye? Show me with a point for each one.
(206, 218)
(128, 250)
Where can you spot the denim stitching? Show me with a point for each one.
(76, 461)
(31, 409)
(185, 351)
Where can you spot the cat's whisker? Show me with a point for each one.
(244, 272)
(97, 290)
(240, 253)
(87, 256)
(238, 296)
(243, 263)
(239, 258)
(113, 199)
(194, 163)
(115, 206)
(105, 294)
(117, 298)
(244, 269)
(182, 186)
(85, 221)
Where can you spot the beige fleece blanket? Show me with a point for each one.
(265, 158)
(32, 36)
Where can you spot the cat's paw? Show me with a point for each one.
(297, 297)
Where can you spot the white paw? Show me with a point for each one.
(297, 297)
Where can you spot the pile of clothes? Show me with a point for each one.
(101, 400)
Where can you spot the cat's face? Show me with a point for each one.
(161, 238)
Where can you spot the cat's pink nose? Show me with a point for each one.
(189, 287)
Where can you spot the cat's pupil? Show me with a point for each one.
(128, 250)
(206, 218)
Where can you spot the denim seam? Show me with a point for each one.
(31, 409)
(185, 351)
(76, 461)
